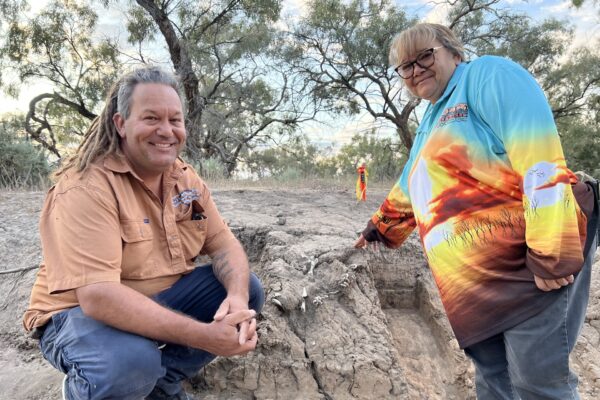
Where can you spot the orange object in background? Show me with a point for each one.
(361, 183)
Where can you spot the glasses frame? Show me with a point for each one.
(412, 63)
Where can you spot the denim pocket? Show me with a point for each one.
(48, 345)
(58, 319)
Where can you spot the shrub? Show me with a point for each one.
(210, 169)
(22, 165)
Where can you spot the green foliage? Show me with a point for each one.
(581, 144)
(535, 46)
(212, 169)
(140, 26)
(573, 86)
(341, 47)
(262, 11)
(384, 158)
(579, 3)
(22, 164)
(341, 50)
(238, 91)
(56, 47)
(12, 8)
(290, 174)
(298, 159)
(569, 77)
(247, 82)
(224, 51)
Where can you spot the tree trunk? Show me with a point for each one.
(183, 66)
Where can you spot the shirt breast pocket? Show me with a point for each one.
(192, 233)
(137, 261)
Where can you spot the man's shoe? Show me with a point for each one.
(158, 394)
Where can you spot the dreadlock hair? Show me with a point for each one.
(102, 138)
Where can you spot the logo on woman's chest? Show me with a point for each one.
(459, 112)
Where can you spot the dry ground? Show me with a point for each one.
(373, 327)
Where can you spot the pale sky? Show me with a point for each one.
(586, 20)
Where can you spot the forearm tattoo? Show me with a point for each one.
(221, 267)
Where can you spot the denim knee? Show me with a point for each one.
(257, 293)
(129, 373)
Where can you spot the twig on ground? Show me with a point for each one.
(12, 271)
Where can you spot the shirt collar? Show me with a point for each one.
(120, 164)
(460, 68)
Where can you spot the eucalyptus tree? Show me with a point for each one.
(221, 51)
(235, 90)
(569, 76)
(341, 49)
(55, 47)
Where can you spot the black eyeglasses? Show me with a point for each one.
(425, 59)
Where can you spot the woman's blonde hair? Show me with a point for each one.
(412, 40)
(102, 138)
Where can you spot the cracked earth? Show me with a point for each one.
(339, 323)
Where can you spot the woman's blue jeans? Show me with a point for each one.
(102, 362)
(531, 360)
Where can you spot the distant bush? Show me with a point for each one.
(210, 169)
(22, 164)
(295, 159)
(384, 157)
(289, 174)
(299, 159)
(581, 144)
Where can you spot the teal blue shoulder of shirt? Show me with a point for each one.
(485, 84)
(508, 98)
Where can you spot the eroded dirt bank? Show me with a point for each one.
(372, 325)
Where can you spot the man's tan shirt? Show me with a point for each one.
(106, 225)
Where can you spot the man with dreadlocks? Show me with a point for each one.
(119, 305)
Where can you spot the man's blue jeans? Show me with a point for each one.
(531, 360)
(106, 363)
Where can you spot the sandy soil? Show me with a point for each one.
(372, 325)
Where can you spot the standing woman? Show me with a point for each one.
(488, 188)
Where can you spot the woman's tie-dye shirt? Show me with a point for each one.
(487, 187)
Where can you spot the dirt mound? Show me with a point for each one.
(338, 323)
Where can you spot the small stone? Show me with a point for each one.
(281, 221)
